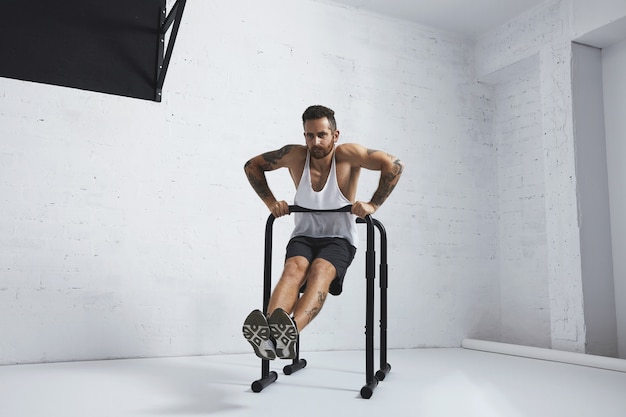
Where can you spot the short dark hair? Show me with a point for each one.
(319, 112)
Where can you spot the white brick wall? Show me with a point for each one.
(525, 307)
(545, 31)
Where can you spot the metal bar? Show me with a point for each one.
(370, 275)
(180, 7)
(385, 368)
(160, 49)
(383, 293)
(170, 19)
(298, 209)
(296, 363)
(267, 282)
(260, 384)
(267, 273)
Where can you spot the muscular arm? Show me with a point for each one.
(255, 170)
(390, 168)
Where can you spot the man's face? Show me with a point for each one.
(319, 137)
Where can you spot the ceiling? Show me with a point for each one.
(468, 17)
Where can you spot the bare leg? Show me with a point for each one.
(285, 294)
(321, 274)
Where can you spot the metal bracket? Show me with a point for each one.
(163, 61)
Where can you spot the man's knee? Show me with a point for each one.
(323, 268)
(295, 270)
(321, 273)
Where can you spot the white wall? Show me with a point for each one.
(520, 204)
(593, 201)
(602, 24)
(545, 32)
(127, 228)
(614, 82)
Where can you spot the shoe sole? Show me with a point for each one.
(256, 331)
(284, 331)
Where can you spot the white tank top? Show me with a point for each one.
(328, 198)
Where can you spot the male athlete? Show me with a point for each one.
(322, 245)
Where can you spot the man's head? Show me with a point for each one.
(320, 130)
(319, 112)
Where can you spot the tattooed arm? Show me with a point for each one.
(390, 173)
(390, 168)
(255, 168)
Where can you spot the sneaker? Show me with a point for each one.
(285, 334)
(257, 332)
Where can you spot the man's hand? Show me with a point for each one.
(362, 209)
(279, 208)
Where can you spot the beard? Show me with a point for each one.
(320, 153)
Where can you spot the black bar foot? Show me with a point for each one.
(368, 390)
(260, 384)
(294, 367)
(382, 373)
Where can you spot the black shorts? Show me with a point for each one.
(338, 251)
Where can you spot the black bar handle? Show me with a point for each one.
(298, 209)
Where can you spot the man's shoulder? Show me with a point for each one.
(293, 155)
(298, 151)
(348, 150)
(294, 148)
(290, 151)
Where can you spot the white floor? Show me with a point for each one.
(424, 382)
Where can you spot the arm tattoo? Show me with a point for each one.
(257, 180)
(274, 156)
(397, 166)
(387, 182)
(255, 174)
(259, 185)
